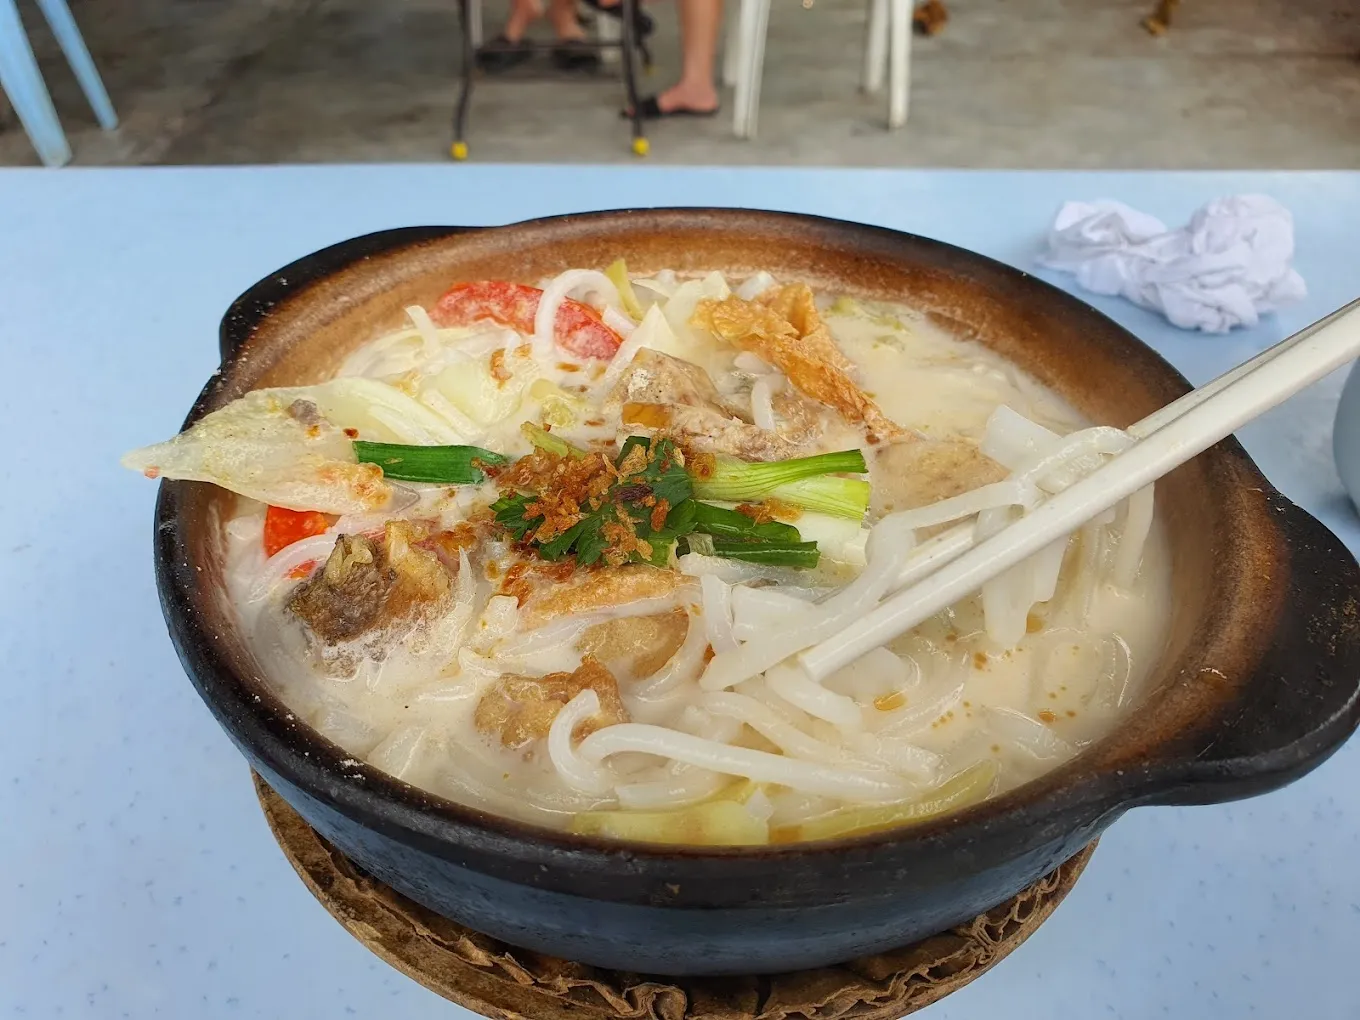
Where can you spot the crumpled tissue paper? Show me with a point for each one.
(1230, 265)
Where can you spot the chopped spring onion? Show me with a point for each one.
(724, 523)
(618, 276)
(829, 494)
(544, 440)
(800, 555)
(446, 465)
(810, 483)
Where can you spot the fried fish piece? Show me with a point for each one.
(639, 645)
(668, 394)
(521, 709)
(910, 475)
(782, 326)
(599, 589)
(367, 585)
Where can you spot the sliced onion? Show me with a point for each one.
(1026, 732)
(762, 408)
(754, 286)
(618, 322)
(752, 364)
(286, 560)
(558, 290)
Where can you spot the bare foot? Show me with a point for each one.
(697, 96)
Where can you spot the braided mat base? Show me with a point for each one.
(506, 983)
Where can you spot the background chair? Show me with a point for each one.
(887, 48)
(22, 81)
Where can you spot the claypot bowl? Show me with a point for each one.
(1257, 686)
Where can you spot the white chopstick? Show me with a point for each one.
(951, 544)
(1185, 428)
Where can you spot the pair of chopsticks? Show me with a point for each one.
(954, 565)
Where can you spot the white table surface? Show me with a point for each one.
(137, 877)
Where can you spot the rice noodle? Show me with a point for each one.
(677, 790)
(875, 673)
(787, 737)
(1137, 526)
(558, 290)
(577, 772)
(683, 666)
(756, 610)
(717, 601)
(800, 690)
(888, 547)
(760, 766)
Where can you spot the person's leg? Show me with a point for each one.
(562, 17)
(523, 13)
(509, 49)
(700, 21)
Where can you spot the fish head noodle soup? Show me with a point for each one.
(552, 551)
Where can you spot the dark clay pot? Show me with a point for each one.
(1257, 687)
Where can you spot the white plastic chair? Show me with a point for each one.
(22, 81)
(887, 48)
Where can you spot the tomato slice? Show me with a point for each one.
(577, 329)
(284, 527)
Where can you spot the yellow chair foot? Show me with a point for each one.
(641, 146)
(458, 150)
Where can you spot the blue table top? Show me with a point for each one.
(139, 878)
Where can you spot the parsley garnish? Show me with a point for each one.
(653, 475)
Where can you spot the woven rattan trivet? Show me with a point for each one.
(506, 983)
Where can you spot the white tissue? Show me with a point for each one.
(1226, 268)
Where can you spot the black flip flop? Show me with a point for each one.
(575, 55)
(500, 54)
(651, 110)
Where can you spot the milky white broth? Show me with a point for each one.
(947, 698)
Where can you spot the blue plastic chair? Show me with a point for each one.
(22, 81)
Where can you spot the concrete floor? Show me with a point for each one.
(1009, 83)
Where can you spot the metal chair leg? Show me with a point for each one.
(459, 149)
(629, 18)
